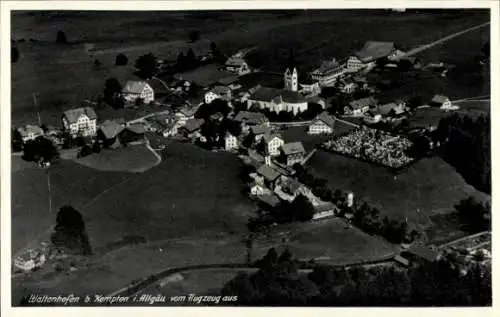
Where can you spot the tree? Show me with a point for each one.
(213, 47)
(301, 209)
(121, 60)
(181, 61)
(194, 36)
(112, 93)
(190, 59)
(14, 54)
(475, 215)
(61, 37)
(97, 64)
(40, 150)
(70, 233)
(146, 65)
(414, 101)
(17, 141)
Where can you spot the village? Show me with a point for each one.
(274, 123)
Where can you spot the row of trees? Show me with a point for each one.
(475, 216)
(279, 282)
(365, 217)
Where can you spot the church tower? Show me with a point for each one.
(291, 79)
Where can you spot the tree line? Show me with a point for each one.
(280, 283)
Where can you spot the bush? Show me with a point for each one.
(61, 37)
(121, 60)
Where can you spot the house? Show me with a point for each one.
(287, 188)
(324, 210)
(354, 64)
(30, 132)
(268, 176)
(272, 142)
(360, 106)
(310, 87)
(374, 50)
(322, 124)
(109, 130)
(80, 122)
(391, 110)
(268, 200)
(246, 119)
(133, 133)
(134, 90)
(192, 127)
(184, 114)
(294, 152)
(277, 100)
(30, 260)
(348, 87)
(258, 131)
(231, 142)
(237, 65)
(257, 189)
(441, 101)
(401, 260)
(218, 92)
(328, 72)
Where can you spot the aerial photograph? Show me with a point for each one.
(320, 158)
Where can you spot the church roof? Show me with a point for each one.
(267, 94)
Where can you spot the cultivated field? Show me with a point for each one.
(427, 188)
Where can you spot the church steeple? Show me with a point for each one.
(291, 79)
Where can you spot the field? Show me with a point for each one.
(426, 189)
(63, 76)
(135, 158)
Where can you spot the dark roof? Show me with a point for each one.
(269, 199)
(326, 118)
(137, 128)
(260, 129)
(193, 124)
(360, 103)
(385, 109)
(291, 184)
(373, 50)
(327, 66)
(293, 148)
(424, 253)
(269, 173)
(325, 207)
(72, 115)
(253, 118)
(228, 80)
(111, 128)
(292, 96)
(268, 137)
(308, 81)
(235, 61)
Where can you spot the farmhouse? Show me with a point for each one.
(354, 64)
(310, 87)
(230, 142)
(135, 90)
(108, 131)
(80, 122)
(328, 72)
(391, 110)
(237, 65)
(347, 87)
(293, 152)
(360, 106)
(374, 50)
(259, 131)
(277, 100)
(324, 210)
(133, 133)
(421, 254)
(184, 114)
(272, 142)
(441, 101)
(322, 124)
(257, 189)
(218, 92)
(287, 188)
(247, 119)
(30, 132)
(268, 176)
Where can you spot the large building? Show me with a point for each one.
(291, 79)
(277, 100)
(237, 65)
(80, 122)
(328, 72)
(30, 132)
(135, 90)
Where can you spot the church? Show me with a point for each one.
(287, 99)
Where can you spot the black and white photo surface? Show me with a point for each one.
(320, 157)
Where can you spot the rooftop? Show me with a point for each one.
(249, 117)
(269, 199)
(72, 115)
(293, 148)
(360, 103)
(193, 124)
(134, 87)
(440, 99)
(27, 129)
(267, 94)
(111, 128)
(269, 173)
(424, 253)
(235, 61)
(327, 119)
(260, 129)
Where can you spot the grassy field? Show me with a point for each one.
(62, 76)
(135, 158)
(429, 187)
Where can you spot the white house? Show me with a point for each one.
(354, 64)
(134, 90)
(360, 106)
(273, 143)
(328, 72)
(322, 124)
(442, 101)
(30, 132)
(237, 65)
(231, 142)
(80, 122)
(218, 92)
